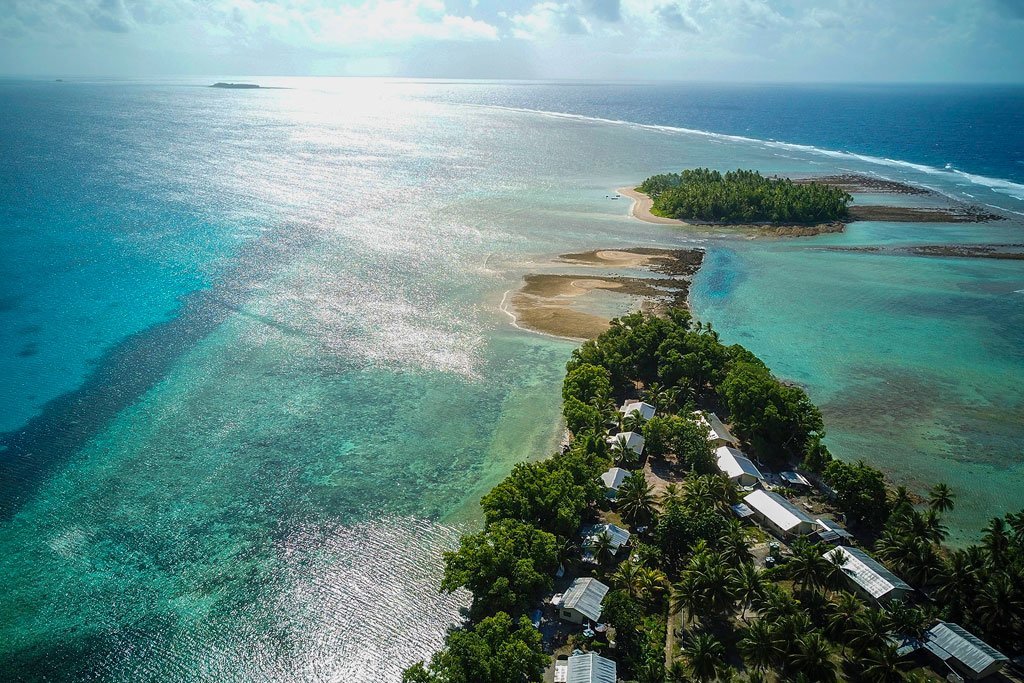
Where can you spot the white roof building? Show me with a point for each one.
(619, 537)
(646, 410)
(591, 668)
(778, 513)
(718, 434)
(737, 467)
(583, 601)
(867, 575)
(613, 479)
(634, 441)
(963, 651)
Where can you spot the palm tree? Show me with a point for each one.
(881, 665)
(868, 630)
(941, 498)
(998, 604)
(651, 582)
(905, 620)
(760, 645)
(685, 597)
(812, 657)
(633, 422)
(935, 530)
(706, 658)
(808, 568)
(735, 549)
(748, 586)
(678, 673)
(842, 612)
(635, 499)
(603, 548)
(673, 493)
(957, 581)
(627, 577)
(995, 539)
(624, 455)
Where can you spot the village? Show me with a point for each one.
(780, 506)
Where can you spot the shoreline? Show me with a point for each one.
(556, 304)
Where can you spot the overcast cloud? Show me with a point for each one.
(739, 40)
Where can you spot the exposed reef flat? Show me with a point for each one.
(1013, 252)
(956, 213)
(865, 184)
(562, 304)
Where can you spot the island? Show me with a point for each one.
(695, 527)
(236, 86)
(749, 201)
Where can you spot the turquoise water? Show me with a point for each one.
(259, 374)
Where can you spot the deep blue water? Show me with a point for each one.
(976, 129)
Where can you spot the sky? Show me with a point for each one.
(674, 40)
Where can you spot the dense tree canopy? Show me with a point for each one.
(743, 197)
(505, 566)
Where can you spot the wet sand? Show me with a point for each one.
(557, 303)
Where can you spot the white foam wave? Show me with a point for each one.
(1000, 185)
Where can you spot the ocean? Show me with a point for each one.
(257, 372)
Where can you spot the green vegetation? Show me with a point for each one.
(743, 197)
(691, 578)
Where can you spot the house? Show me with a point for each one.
(619, 537)
(646, 410)
(963, 652)
(613, 479)
(830, 531)
(633, 441)
(867, 576)
(582, 601)
(794, 479)
(737, 467)
(590, 668)
(718, 435)
(778, 514)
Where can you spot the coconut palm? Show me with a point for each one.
(808, 568)
(713, 587)
(603, 548)
(705, 657)
(748, 586)
(999, 605)
(760, 645)
(935, 530)
(678, 672)
(684, 596)
(633, 422)
(868, 630)
(995, 539)
(627, 577)
(941, 498)
(635, 499)
(673, 493)
(623, 455)
(880, 665)
(651, 582)
(735, 548)
(776, 604)
(843, 610)
(905, 620)
(812, 657)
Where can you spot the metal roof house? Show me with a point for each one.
(590, 668)
(619, 537)
(718, 434)
(737, 467)
(963, 652)
(867, 575)
(582, 601)
(830, 531)
(646, 410)
(634, 441)
(778, 514)
(613, 479)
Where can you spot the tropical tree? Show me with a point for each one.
(880, 665)
(651, 582)
(760, 645)
(603, 548)
(623, 455)
(843, 610)
(747, 585)
(705, 657)
(941, 498)
(870, 629)
(808, 567)
(635, 499)
(812, 657)
(627, 577)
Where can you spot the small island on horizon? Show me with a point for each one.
(236, 86)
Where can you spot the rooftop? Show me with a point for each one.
(777, 509)
(646, 410)
(591, 532)
(716, 430)
(950, 641)
(734, 463)
(591, 668)
(585, 596)
(634, 441)
(614, 477)
(866, 572)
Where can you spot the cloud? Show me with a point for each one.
(673, 17)
(605, 10)
(548, 19)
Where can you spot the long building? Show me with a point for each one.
(778, 514)
(867, 576)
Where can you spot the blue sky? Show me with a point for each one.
(696, 40)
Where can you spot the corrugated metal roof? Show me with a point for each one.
(833, 527)
(585, 596)
(794, 478)
(614, 477)
(734, 463)
(866, 572)
(591, 668)
(646, 410)
(962, 645)
(780, 511)
(716, 430)
(591, 532)
(634, 441)
(741, 510)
